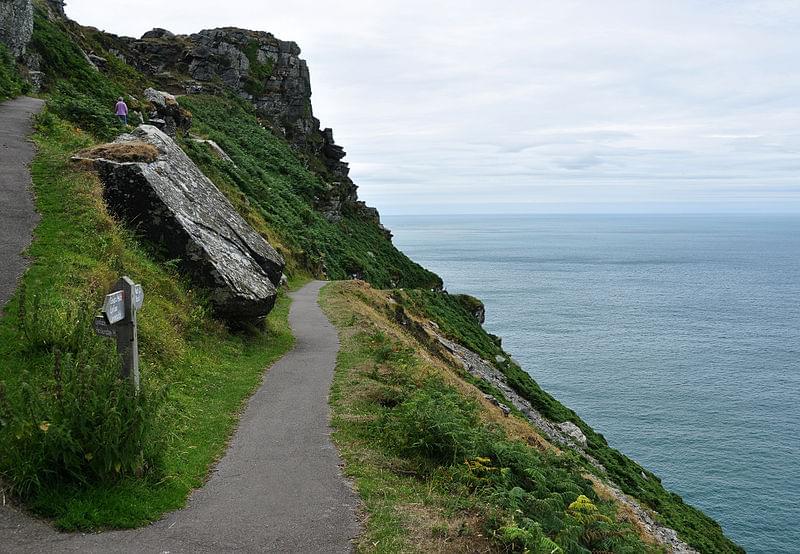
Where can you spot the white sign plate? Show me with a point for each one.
(114, 307)
(138, 297)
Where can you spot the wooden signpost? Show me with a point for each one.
(118, 320)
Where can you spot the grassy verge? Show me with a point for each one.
(199, 372)
(438, 468)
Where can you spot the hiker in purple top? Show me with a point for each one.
(122, 111)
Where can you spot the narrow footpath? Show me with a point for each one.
(17, 214)
(279, 487)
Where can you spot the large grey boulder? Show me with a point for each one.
(16, 24)
(168, 199)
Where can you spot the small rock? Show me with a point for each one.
(158, 32)
(165, 109)
(573, 431)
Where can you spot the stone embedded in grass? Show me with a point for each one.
(177, 207)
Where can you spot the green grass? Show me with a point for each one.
(455, 321)
(204, 371)
(255, 83)
(78, 92)
(278, 184)
(11, 84)
(433, 475)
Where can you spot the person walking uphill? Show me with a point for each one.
(122, 111)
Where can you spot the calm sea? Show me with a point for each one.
(677, 337)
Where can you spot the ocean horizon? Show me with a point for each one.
(677, 336)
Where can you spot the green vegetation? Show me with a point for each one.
(11, 84)
(432, 472)
(456, 321)
(259, 71)
(78, 92)
(81, 451)
(279, 186)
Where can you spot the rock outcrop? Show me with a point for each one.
(165, 112)
(16, 25)
(176, 206)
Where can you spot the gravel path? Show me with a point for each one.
(17, 214)
(279, 487)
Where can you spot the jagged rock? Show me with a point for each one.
(573, 431)
(158, 32)
(503, 408)
(173, 204)
(166, 113)
(260, 68)
(16, 25)
(98, 61)
(267, 72)
(56, 7)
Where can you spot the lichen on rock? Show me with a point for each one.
(16, 24)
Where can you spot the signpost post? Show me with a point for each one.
(118, 320)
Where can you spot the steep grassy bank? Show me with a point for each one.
(400, 429)
(195, 373)
(438, 467)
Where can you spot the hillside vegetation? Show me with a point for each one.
(277, 184)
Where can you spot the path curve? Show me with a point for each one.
(279, 487)
(17, 214)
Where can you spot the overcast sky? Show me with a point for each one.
(545, 106)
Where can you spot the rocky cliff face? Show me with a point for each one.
(16, 24)
(260, 68)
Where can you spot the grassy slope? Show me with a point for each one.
(692, 525)
(277, 185)
(78, 252)
(433, 474)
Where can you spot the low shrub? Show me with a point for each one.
(11, 84)
(88, 112)
(541, 501)
(80, 423)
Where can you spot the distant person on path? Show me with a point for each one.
(122, 111)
